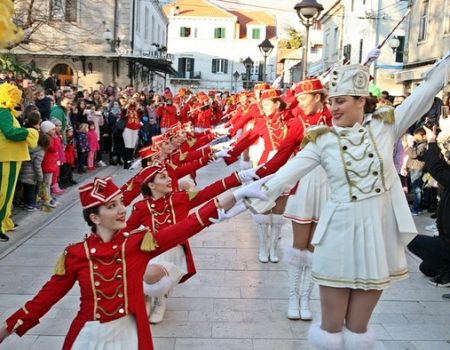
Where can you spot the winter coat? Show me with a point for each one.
(51, 157)
(44, 107)
(92, 138)
(82, 142)
(440, 171)
(31, 171)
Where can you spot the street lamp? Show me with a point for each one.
(266, 48)
(108, 37)
(236, 76)
(394, 43)
(248, 64)
(308, 11)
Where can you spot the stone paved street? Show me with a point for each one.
(233, 303)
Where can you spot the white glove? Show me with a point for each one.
(222, 145)
(373, 55)
(249, 174)
(252, 190)
(222, 153)
(236, 209)
(136, 165)
(222, 131)
(244, 165)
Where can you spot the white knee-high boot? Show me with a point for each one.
(324, 340)
(158, 292)
(306, 286)
(275, 230)
(294, 259)
(356, 341)
(262, 221)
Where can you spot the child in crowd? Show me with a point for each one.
(82, 147)
(66, 175)
(415, 167)
(61, 157)
(94, 145)
(31, 174)
(50, 161)
(95, 114)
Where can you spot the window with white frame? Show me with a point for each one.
(185, 32)
(423, 23)
(146, 27)
(64, 10)
(219, 65)
(219, 33)
(256, 33)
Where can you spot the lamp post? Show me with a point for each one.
(307, 11)
(236, 76)
(265, 48)
(248, 63)
(108, 37)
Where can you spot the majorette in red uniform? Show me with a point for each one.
(109, 275)
(162, 207)
(303, 207)
(167, 115)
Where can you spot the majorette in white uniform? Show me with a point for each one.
(357, 241)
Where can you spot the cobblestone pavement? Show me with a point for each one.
(233, 303)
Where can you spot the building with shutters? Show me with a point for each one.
(210, 43)
(67, 38)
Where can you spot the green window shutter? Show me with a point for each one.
(223, 33)
(216, 33)
(181, 32)
(256, 33)
(214, 66)
(225, 69)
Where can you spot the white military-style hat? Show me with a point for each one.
(349, 80)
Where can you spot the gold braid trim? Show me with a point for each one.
(313, 132)
(60, 267)
(192, 194)
(149, 243)
(385, 114)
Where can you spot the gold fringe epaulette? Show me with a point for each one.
(149, 243)
(312, 133)
(191, 142)
(173, 166)
(386, 114)
(60, 267)
(183, 156)
(192, 194)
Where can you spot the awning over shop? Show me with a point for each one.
(156, 65)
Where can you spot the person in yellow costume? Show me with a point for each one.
(9, 32)
(14, 143)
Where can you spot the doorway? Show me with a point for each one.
(64, 74)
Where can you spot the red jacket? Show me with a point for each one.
(110, 278)
(175, 206)
(51, 157)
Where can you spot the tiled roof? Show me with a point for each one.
(250, 17)
(197, 8)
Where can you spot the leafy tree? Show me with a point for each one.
(11, 63)
(294, 41)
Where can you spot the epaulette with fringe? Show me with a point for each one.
(149, 243)
(313, 132)
(60, 267)
(386, 114)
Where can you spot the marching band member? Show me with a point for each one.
(303, 208)
(162, 207)
(109, 265)
(269, 131)
(358, 251)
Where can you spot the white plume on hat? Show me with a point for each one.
(349, 80)
(46, 126)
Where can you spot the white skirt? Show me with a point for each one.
(358, 245)
(174, 261)
(120, 334)
(311, 196)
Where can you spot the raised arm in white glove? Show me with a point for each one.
(238, 208)
(252, 190)
(372, 56)
(245, 164)
(249, 174)
(222, 153)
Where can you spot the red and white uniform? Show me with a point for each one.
(170, 209)
(110, 279)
